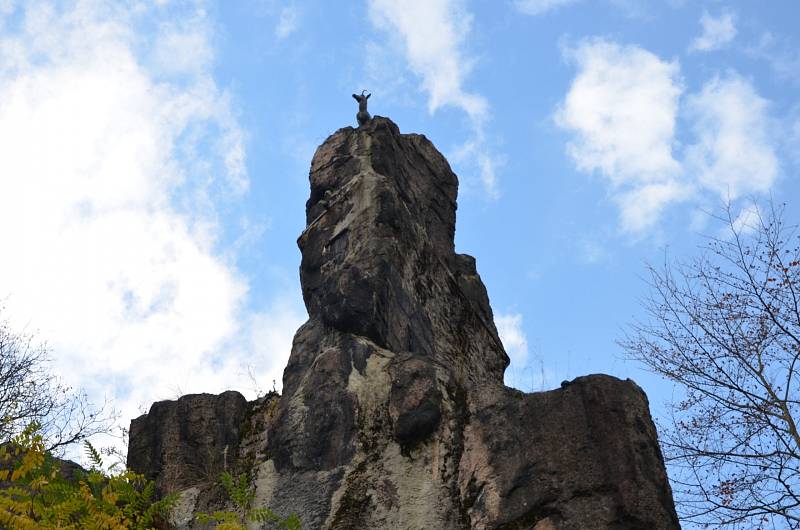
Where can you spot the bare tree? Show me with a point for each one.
(30, 392)
(726, 328)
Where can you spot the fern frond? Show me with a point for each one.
(262, 515)
(291, 523)
(93, 455)
(20, 522)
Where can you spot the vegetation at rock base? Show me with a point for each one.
(39, 418)
(726, 328)
(242, 493)
(35, 494)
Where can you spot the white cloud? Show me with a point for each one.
(288, 21)
(746, 222)
(642, 206)
(629, 8)
(181, 49)
(110, 159)
(622, 108)
(734, 153)
(385, 75)
(431, 35)
(488, 173)
(524, 373)
(792, 139)
(717, 32)
(7, 6)
(475, 151)
(538, 7)
(270, 335)
(509, 327)
(780, 53)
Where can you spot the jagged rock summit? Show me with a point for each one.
(394, 414)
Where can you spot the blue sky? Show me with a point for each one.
(155, 161)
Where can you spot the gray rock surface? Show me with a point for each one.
(185, 442)
(394, 414)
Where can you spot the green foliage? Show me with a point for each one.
(36, 495)
(242, 493)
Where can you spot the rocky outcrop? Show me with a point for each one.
(182, 443)
(583, 456)
(394, 414)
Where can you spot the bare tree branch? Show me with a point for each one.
(30, 392)
(726, 328)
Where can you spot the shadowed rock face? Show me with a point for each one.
(394, 414)
(180, 443)
(378, 254)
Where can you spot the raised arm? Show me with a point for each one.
(356, 97)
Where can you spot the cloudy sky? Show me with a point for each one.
(154, 159)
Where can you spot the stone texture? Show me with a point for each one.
(189, 441)
(584, 456)
(393, 413)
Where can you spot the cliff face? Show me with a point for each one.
(394, 414)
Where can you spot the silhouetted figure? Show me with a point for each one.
(363, 116)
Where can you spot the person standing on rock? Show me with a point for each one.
(363, 116)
